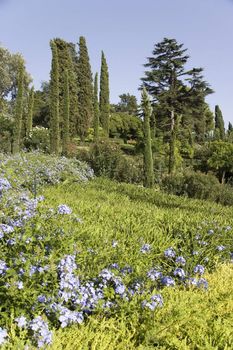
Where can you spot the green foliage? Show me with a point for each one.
(128, 104)
(96, 110)
(198, 185)
(38, 139)
(104, 96)
(219, 124)
(125, 126)
(30, 112)
(130, 216)
(41, 114)
(176, 92)
(194, 185)
(107, 159)
(66, 116)
(7, 126)
(67, 61)
(148, 160)
(221, 157)
(85, 89)
(17, 141)
(54, 102)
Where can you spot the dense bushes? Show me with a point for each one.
(198, 185)
(107, 159)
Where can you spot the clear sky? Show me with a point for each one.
(126, 30)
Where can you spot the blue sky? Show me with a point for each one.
(126, 30)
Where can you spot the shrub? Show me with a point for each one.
(198, 185)
(107, 159)
(38, 139)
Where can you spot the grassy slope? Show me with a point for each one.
(190, 319)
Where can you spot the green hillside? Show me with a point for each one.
(94, 264)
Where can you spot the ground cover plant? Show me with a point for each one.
(108, 265)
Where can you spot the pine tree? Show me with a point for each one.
(66, 115)
(219, 124)
(174, 90)
(85, 89)
(54, 102)
(148, 159)
(96, 110)
(30, 112)
(104, 96)
(18, 111)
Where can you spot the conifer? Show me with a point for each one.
(96, 110)
(219, 124)
(54, 102)
(67, 60)
(18, 111)
(148, 159)
(66, 115)
(104, 96)
(85, 89)
(30, 112)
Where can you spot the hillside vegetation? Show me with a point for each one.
(101, 265)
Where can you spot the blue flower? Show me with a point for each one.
(167, 281)
(155, 301)
(4, 185)
(169, 253)
(63, 209)
(41, 298)
(21, 321)
(3, 335)
(180, 260)
(199, 269)
(145, 248)
(42, 334)
(19, 284)
(3, 267)
(179, 272)
(154, 274)
(120, 289)
(202, 283)
(220, 248)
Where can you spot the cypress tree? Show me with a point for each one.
(54, 102)
(85, 89)
(219, 124)
(96, 110)
(18, 110)
(66, 115)
(104, 96)
(30, 112)
(230, 127)
(148, 159)
(67, 61)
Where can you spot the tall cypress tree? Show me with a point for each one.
(30, 112)
(230, 127)
(148, 159)
(85, 89)
(104, 96)
(96, 109)
(219, 124)
(18, 111)
(67, 61)
(54, 102)
(66, 115)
